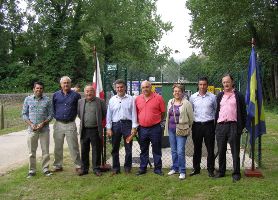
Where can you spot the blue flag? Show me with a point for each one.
(254, 98)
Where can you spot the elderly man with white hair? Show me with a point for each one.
(65, 103)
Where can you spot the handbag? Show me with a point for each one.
(181, 129)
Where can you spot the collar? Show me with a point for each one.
(230, 93)
(125, 96)
(34, 97)
(70, 91)
(206, 94)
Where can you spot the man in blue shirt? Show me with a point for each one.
(121, 122)
(37, 113)
(204, 107)
(65, 111)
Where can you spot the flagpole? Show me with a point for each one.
(253, 143)
(253, 172)
(253, 128)
(95, 57)
(104, 167)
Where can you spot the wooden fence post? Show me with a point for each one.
(1, 116)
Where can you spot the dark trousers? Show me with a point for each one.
(154, 135)
(228, 133)
(121, 129)
(90, 136)
(200, 132)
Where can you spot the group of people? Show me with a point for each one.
(205, 115)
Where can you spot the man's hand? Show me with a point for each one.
(133, 131)
(41, 125)
(34, 127)
(109, 132)
(132, 134)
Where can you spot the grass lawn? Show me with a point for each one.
(66, 185)
(12, 118)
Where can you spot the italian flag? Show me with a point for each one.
(97, 83)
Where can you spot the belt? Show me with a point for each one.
(227, 122)
(204, 123)
(150, 126)
(65, 121)
(123, 121)
(91, 127)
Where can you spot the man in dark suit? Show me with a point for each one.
(91, 111)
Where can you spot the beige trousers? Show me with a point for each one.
(68, 130)
(32, 141)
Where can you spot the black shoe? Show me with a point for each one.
(139, 173)
(236, 178)
(127, 171)
(82, 173)
(211, 174)
(48, 173)
(98, 173)
(31, 174)
(160, 173)
(115, 173)
(219, 175)
(194, 172)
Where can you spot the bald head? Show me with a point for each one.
(89, 92)
(146, 87)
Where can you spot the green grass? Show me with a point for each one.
(66, 185)
(12, 118)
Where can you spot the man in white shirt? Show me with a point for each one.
(204, 107)
(121, 121)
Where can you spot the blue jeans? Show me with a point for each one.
(177, 144)
(121, 129)
(149, 135)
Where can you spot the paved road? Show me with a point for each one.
(14, 150)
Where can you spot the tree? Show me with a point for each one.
(223, 29)
(126, 32)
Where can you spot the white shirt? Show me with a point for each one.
(204, 107)
(121, 108)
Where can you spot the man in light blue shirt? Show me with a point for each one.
(37, 113)
(204, 107)
(121, 121)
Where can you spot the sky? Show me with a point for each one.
(176, 12)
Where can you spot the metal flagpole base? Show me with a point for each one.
(253, 173)
(105, 167)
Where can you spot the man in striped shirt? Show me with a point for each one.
(37, 113)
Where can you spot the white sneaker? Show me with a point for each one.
(182, 176)
(171, 172)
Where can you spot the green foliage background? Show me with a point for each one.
(52, 38)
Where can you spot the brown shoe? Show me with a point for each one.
(127, 171)
(78, 171)
(58, 169)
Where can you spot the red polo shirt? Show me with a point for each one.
(149, 112)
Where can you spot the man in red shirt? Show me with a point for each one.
(150, 110)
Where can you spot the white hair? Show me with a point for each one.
(65, 78)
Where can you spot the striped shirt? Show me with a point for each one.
(37, 110)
